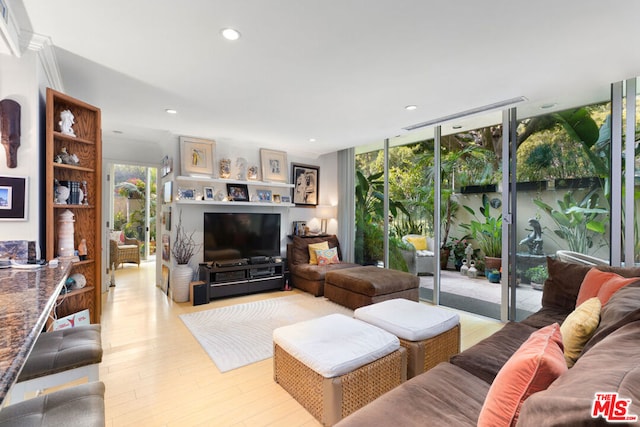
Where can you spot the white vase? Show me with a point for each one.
(65, 234)
(181, 277)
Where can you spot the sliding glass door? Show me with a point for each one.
(560, 183)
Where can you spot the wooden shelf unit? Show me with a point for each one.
(87, 145)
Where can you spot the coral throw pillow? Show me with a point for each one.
(327, 256)
(578, 327)
(313, 247)
(535, 365)
(418, 242)
(601, 284)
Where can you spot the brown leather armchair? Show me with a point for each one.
(308, 277)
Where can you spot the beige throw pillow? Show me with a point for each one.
(578, 327)
(313, 247)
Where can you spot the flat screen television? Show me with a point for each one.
(240, 235)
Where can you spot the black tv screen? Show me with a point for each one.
(240, 235)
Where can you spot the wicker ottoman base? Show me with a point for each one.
(424, 355)
(331, 399)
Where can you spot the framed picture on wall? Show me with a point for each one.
(274, 165)
(306, 181)
(167, 165)
(167, 194)
(166, 248)
(196, 156)
(13, 198)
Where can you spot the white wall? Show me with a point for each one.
(21, 80)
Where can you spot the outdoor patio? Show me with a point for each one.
(478, 295)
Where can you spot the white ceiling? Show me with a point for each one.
(339, 71)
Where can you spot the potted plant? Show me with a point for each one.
(458, 245)
(183, 250)
(494, 276)
(487, 232)
(578, 222)
(537, 275)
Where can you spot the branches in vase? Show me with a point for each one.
(184, 247)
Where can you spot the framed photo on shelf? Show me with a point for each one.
(274, 165)
(196, 156)
(238, 192)
(306, 181)
(13, 198)
(208, 193)
(276, 198)
(264, 195)
(285, 199)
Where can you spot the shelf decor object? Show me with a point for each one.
(238, 192)
(306, 182)
(196, 156)
(65, 234)
(13, 198)
(80, 169)
(10, 130)
(225, 168)
(274, 165)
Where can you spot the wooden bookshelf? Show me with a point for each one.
(87, 146)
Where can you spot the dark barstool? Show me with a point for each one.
(81, 406)
(60, 357)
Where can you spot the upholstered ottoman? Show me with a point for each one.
(430, 334)
(334, 365)
(359, 286)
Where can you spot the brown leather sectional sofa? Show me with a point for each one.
(453, 393)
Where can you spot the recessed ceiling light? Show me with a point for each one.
(230, 34)
(547, 106)
(457, 126)
(411, 107)
(117, 131)
(312, 140)
(171, 111)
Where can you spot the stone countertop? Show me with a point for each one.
(26, 299)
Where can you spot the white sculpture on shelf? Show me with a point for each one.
(62, 194)
(66, 121)
(241, 165)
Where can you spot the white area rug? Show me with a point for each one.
(242, 334)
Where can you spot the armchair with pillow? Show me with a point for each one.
(423, 252)
(311, 258)
(123, 249)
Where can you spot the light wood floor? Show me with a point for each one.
(156, 373)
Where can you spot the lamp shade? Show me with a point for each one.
(325, 211)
